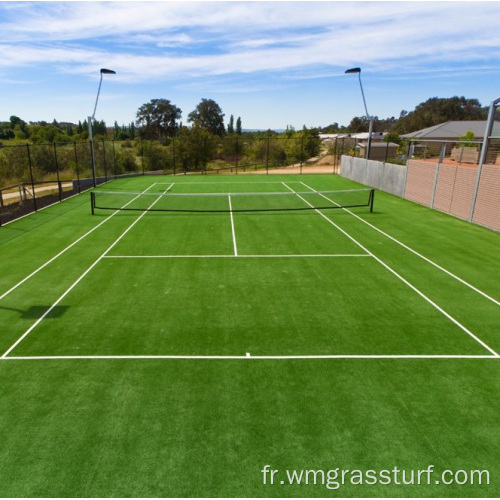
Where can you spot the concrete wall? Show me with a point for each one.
(387, 177)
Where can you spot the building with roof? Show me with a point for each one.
(450, 131)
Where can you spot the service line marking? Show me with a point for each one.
(43, 266)
(405, 281)
(87, 271)
(449, 273)
(230, 256)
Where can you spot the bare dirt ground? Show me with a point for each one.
(322, 165)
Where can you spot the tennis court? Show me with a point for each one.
(174, 335)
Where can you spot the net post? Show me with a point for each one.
(372, 196)
(92, 201)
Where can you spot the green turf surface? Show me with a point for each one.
(174, 354)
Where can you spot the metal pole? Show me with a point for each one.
(104, 160)
(484, 153)
(76, 167)
(103, 71)
(370, 130)
(358, 71)
(92, 158)
(31, 176)
(59, 185)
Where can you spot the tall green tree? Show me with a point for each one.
(439, 110)
(159, 119)
(230, 125)
(209, 116)
(238, 126)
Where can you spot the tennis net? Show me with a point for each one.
(231, 202)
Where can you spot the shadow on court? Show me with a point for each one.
(35, 312)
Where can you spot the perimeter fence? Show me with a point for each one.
(461, 178)
(33, 176)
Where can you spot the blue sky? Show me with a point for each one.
(271, 63)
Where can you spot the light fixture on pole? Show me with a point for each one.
(104, 71)
(370, 118)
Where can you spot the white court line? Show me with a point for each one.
(235, 246)
(406, 282)
(47, 312)
(180, 183)
(247, 356)
(449, 273)
(240, 256)
(64, 250)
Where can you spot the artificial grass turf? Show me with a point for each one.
(231, 306)
(208, 427)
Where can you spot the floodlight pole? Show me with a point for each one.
(370, 118)
(103, 71)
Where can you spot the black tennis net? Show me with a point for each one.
(231, 202)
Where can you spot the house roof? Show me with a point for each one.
(364, 135)
(450, 130)
(380, 145)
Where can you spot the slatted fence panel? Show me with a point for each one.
(487, 208)
(420, 181)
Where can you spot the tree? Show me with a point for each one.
(209, 116)
(468, 139)
(238, 126)
(195, 147)
(358, 124)
(159, 118)
(230, 126)
(439, 110)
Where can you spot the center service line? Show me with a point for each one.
(235, 246)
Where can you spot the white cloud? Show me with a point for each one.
(246, 46)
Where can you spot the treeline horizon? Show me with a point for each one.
(209, 117)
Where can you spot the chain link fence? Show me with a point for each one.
(33, 176)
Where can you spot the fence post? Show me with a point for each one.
(267, 154)
(76, 167)
(484, 153)
(104, 161)
(408, 152)
(114, 158)
(434, 186)
(173, 152)
(301, 151)
(31, 177)
(59, 185)
(236, 153)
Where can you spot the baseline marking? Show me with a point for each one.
(247, 356)
(449, 273)
(63, 251)
(406, 282)
(87, 271)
